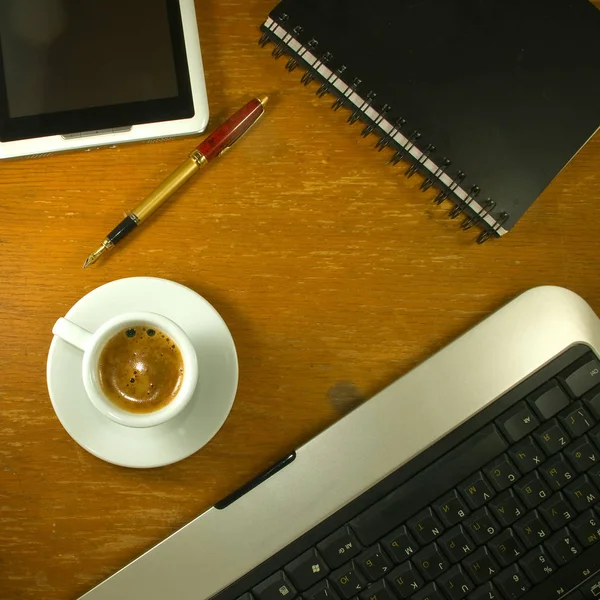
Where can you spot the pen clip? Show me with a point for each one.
(241, 135)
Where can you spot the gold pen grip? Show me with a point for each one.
(169, 186)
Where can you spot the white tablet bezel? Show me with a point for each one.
(165, 129)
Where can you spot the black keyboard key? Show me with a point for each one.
(563, 546)
(551, 437)
(348, 580)
(532, 490)
(246, 596)
(594, 476)
(583, 454)
(586, 528)
(429, 592)
(374, 563)
(517, 422)
(557, 511)
(506, 548)
(485, 592)
(481, 566)
(405, 580)
(339, 547)
(476, 490)
(425, 526)
(590, 590)
(451, 508)
(582, 493)
(276, 587)
(576, 419)
(502, 473)
(568, 577)
(457, 544)
(378, 591)
(395, 508)
(531, 529)
(538, 565)
(400, 544)
(506, 508)
(527, 455)
(481, 526)
(431, 562)
(582, 376)
(322, 591)
(594, 435)
(307, 569)
(456, 583)
(549, 400)
(592, 401)
(513, 583)
(557, 472)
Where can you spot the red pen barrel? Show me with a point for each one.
(232, 129)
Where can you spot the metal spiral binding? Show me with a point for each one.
(484, 236)
(293, 62)
(462, 204)
(344, 97)
(326, 86)
(383, 111)
(282, 45)
(415, 136)
(456, 181)
(487, 206)
(429, 149)
(309, 75)
(356, 114)
(265, 38)
(430, 180)
(384, 141)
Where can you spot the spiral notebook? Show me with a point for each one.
(487, 99)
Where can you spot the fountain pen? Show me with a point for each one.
(215, 145)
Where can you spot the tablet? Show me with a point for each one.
(84, 73)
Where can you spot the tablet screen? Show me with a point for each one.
(80, 65)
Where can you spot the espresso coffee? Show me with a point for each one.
(140, 369)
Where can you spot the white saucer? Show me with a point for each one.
(190, 430)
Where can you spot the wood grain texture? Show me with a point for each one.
(333, 272)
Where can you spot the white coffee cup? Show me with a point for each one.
(92, 344)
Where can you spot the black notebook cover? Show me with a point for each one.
(507, 90)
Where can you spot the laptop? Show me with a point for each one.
(475, 476)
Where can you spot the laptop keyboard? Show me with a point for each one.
(511, 512)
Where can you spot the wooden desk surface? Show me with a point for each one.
(333, 272)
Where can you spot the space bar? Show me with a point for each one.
(418, 492)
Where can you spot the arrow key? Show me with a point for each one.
(374, 563)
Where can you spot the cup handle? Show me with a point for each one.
(72, 334)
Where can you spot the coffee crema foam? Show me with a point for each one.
(140, 369)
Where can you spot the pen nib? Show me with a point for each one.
(94, 256)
